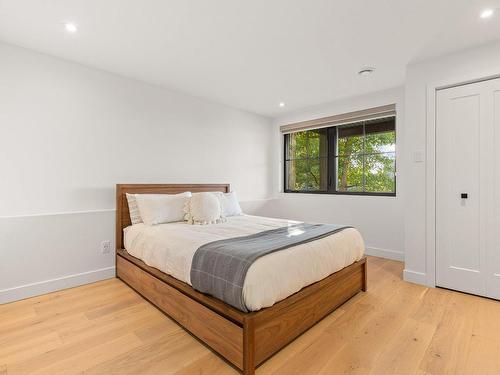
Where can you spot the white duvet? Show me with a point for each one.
(272, 278)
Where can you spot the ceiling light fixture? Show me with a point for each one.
(366, 71)
(282, 104)
(487, 13)
(70, 27)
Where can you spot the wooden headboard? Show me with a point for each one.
(122, 212)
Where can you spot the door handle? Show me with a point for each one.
(464, 195)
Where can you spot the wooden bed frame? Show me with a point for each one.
(244, 339)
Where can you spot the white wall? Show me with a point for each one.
(380, 219)
(70, 133)
(421, 82)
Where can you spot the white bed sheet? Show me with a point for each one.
(272, 278)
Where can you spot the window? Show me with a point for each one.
(307, 160)
(358, 158)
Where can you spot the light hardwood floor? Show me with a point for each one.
(394, 328)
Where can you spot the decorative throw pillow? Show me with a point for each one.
(135, 214)
(204, 208)
(230, 204)
(162, 208)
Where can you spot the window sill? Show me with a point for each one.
(340, 193)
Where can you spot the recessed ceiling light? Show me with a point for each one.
(366, 71)
(282, 104)
(487, 13)
(70, 27)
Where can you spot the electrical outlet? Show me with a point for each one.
(106, 247)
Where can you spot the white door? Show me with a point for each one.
(467, 183)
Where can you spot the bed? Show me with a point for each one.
(157, 262)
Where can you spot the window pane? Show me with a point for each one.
(349, 139)
(380, 142)
(297, 145)
(380, 136)
(350, 173)
(308, 144)
(380, 173)
(318, 143)
(307, 175)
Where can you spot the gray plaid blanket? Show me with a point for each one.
(219, 268)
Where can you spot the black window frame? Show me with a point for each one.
(332, 165)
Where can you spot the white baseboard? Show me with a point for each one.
(47, 286)
(415, 277)
(384, 253)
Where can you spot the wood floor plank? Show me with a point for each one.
(81, 303)
(450, 345)
(405, 350)
(394, 328)
(38, 327)
(140, 320)
(120, 320)
(80, 361)
(166, 356)
(487, 323)
(47, 359)
(29, 347)
(483, 356)
(365, 344)
(432, 306)
(113, 307)
(157, 330)
(210, 364)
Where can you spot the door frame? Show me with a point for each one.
(430, 170)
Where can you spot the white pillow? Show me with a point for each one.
(162, 208)
(204, 208)
(135, 214)
(230, 204)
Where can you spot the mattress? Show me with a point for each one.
(271, 278)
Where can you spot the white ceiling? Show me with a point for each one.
(252, 54)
